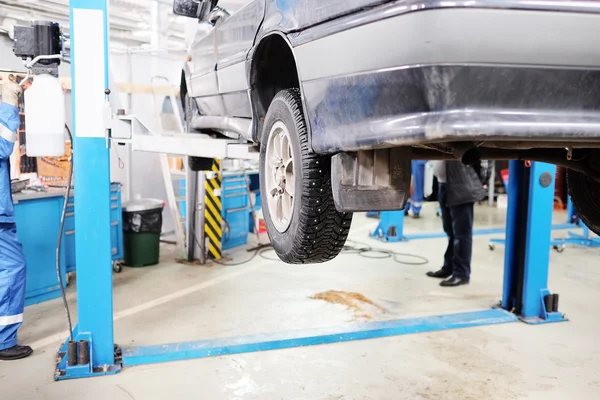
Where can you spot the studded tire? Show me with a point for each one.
(317, 232)
(585, 193)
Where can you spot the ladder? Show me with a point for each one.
(150, 132)
(171, 122)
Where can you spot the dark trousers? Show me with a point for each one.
(458, 226)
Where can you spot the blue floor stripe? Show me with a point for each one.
(368, 330)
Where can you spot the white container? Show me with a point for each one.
(45, 117)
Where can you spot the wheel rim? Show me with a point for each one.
(280, 178)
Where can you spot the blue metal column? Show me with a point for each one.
(516, 201)
(89, 72)
(529, 224)
(391, 226)
(539, 224)
(571, 213)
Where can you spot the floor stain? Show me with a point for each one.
(355, 302)
(197, 263)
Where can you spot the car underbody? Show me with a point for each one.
(341, 97)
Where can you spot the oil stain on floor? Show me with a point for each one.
(355, 302)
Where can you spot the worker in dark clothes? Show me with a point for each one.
(12, 260)
(460, 186)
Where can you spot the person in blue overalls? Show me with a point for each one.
(12, 260)
(418, 179)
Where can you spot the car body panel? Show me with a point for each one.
(295, 15)
(235, 38)
(428, 104)
(236, 34)
(233, 87)
(380, 73)
(202, 85)
(397, 7)
(418, 92)
(446, 36)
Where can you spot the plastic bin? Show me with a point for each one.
(142, 225)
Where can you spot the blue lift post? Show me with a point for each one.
(570, 224)
(527, 256)
(89, 72)
(572, 214)
(390, 227)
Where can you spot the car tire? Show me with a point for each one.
(585, 194)
(302, 221)
(190, 110)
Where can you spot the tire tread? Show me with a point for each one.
(322, 229)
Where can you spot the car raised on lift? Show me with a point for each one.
(342, 94)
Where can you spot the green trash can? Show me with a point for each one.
(142, 225)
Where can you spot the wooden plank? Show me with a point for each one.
(132, 88)
(122, 87)
(139, 88)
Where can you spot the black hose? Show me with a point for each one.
(60, 235)
(366, 251)
(227, 263)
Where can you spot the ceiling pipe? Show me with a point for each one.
(118, 16)
(26, 14)
(122, 29)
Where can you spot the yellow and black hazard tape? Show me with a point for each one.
(213, 221)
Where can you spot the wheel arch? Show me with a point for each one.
(182, 88)
(273, 68)
(184, 82)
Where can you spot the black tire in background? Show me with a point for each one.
(317, 231)
(585, 194)
(190, 110)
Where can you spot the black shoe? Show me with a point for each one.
(416, 216)
(15, 353)
(439, 274)
(454, 281)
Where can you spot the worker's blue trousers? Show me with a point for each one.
(12, 285)
(418, 178)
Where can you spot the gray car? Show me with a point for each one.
(342, 94)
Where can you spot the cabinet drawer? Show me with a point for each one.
(234, 201)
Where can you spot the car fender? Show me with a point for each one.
(186, 74)
(249, 66)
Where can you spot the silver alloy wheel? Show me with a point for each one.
(280, 179)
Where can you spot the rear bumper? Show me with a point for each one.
(448, 103)
(454, 74)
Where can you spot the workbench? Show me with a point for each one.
(38, 222)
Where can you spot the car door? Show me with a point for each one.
(203, 83)
(234, 38)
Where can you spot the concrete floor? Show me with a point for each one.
(174, 302)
